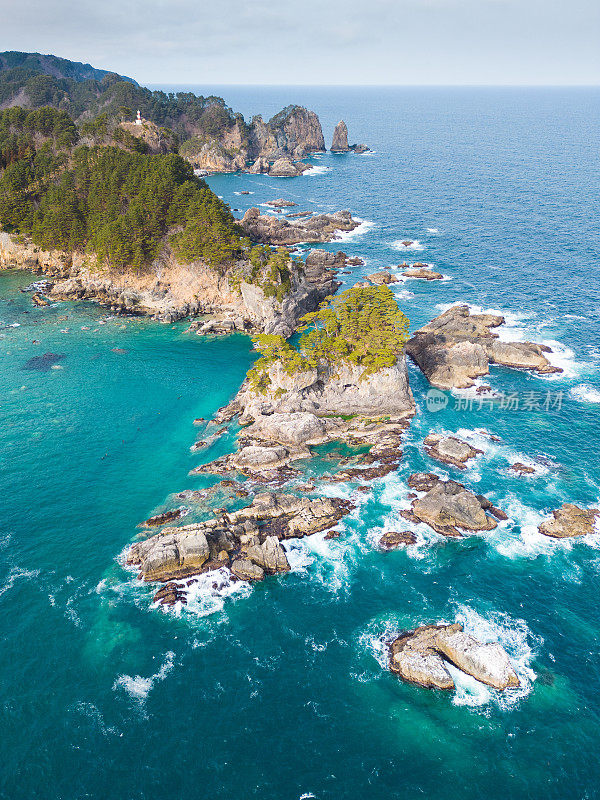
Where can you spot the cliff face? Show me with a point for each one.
(169, 290)
(292, 134)
(159, 140)
(342, 389)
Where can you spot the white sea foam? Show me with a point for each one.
(403, 294)
(208, 593)
(17, 574)
(432, 230)
(398, 244)
(364, 227)
(139, 687)
(318, 169)
(585, 393)
(515, 637)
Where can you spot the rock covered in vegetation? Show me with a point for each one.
(450, 450)
(246, 541)
(449, 508)
(458, 346)
(268, 229)
(571, 521)
(421, 657)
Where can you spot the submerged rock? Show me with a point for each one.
(43, 363)
(458, 346)
(571, 521)
(421, 657)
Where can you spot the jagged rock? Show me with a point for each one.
(381, 278)
(158, 140)
(261, 165)
(170, 555)
(246, 570)
(450, 450)
(458, 346)
(38, 300)
(393, 539)
(267, 229)
(360, 148)
(339, 142)
(285, 168)
(448, 507)
(420, 657)
(295, 428)
(571, 521)
(269, 556)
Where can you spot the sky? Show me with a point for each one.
(397, 42)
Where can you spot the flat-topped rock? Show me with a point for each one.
(280, 203)
(394, 539)
(423, 272)
(421, 657)
(571, 521)
(450, 450)
(458, 346)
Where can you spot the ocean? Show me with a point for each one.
(280, 691)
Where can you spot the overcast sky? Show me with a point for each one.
(317, 41)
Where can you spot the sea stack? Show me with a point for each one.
(339, 143)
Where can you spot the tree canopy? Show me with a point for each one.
(105, 199)
(362, 326)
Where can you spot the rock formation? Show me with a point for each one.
(170, 290)
(421, 657)
(422, 271)
(449, 508)
(157, 140)
(381, 278)
(449, 450)
(339, 142)
(286, 168)
(268, 229)
(246, 541)
(570, 521)
(458, 346)
(393, 539)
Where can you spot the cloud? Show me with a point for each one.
(338, 41)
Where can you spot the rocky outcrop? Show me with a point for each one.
(339, 142)
(458, 346)
(280, 203)
(246, 541)
(450, 450)
(158, 140)
(267, 229)
(294, 132)
(421, 271)
(394, 539)
(571, 521)
(382, 278)
(286, 168)
(421, 657)
(169, 291)
(449, 508)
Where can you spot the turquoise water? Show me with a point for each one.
(279, 692)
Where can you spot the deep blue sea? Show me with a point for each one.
(279, 692)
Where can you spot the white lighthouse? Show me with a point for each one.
(138, 119)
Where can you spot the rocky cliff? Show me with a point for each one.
(339, 142)
(292, 134)
(170, 290)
